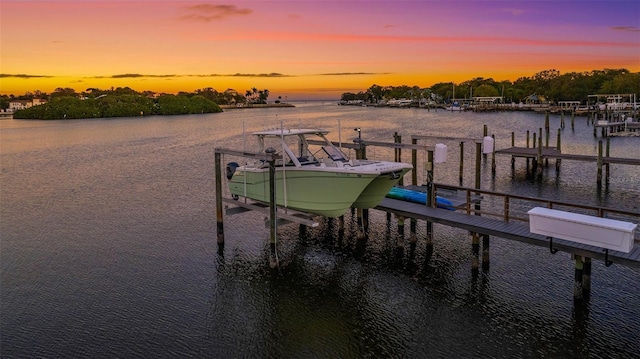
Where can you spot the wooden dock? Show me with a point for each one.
(554, 153)
(512, 230)
(472, 207)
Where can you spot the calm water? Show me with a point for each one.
(108, 249)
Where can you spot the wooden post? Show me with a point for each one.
(219, 216)
(586, 278)
(475, 237)
(513, 144)
(430, 202)
(414, 162)
(398, 153)
(546, 144)
(539, 171)
(527, 165)
(475, 250)
(414, 181)
(577, 283)
(272, 207)
(400, 228)
(485, 252)
(546, 132)
(606, 166)
(573, 115)
(546, 120)
(493, 156)
(365, 220)
(478, 163)
(558, 160)
(361, 154)
(412, 230)
(562, 119)
(485, 133)
(460, 174)
(599, 178)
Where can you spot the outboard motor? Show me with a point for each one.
(231, 169)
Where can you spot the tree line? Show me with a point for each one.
(551, 84)
(66, 103)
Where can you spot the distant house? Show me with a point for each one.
(15, 105)
(535, 100)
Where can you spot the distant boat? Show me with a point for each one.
(455, 106)
(399, 102)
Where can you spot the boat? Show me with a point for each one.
(455, 106)
(313, 175)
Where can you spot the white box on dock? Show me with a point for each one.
(440, 153)
(487, 144)
(596, 231)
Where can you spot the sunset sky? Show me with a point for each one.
(305, 49)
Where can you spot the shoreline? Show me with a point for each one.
(257, 105)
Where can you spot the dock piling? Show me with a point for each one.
(475, 250)
(558, 160)
(273, 259)
(606, 166)
(493, 156)
(513, 144)
(460, 174)
(219, 215)
(599, 176)
(485, 252)
(586, 278)
(577, 284)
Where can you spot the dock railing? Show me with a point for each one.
(511, 207)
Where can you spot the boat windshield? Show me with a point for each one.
(334, 153)
(302, 149)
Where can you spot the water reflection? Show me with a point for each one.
(109, 250)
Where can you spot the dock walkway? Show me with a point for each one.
(509, 230)
(554, 153)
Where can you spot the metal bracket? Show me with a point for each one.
(551, 249)
(607, 262)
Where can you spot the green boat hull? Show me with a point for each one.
(326, 193)
(375, 192)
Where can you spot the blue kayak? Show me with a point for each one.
(418, 197)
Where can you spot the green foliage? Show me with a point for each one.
(121, 104)
(551, 84)
(485, 90)
(183, 105)
(255, 96)
(58, 108)
(4, 102)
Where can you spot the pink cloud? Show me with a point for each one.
(211, 12)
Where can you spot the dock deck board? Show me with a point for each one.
(517, 231)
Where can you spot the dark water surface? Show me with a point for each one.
(108, 249)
